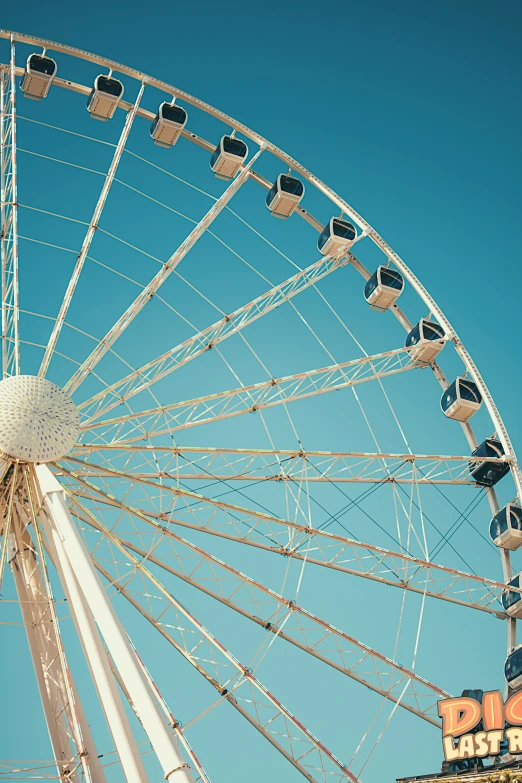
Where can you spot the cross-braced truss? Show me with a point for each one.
(9, 220)
(113, 528)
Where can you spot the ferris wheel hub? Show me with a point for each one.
(39, 421)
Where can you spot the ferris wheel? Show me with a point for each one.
(168, 422)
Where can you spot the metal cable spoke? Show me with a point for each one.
(245, 399)
(267, 608)
(327, 549)
(149, 291)
(281, 728)
(89, 236)
(163, 365)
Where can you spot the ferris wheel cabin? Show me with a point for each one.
(104, 98)
(38, 76)
(513, 669)
(284, 196)
(461, 400)
(512, 599)
(488, 473)
(505, 528)
(228, 157)
(426, 341)
(383, 288)
(337, 235)
(168, 124)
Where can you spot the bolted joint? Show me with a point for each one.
(177, 769)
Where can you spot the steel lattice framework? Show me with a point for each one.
(108, 521)
(9, 220)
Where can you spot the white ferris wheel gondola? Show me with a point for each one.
(168, 124)
(38, 77)
(228, 157)
(461, 400)
(105, 97)
(337, 235)
(425, 341)
(512, 598)
(383, 288)
(284, 196)
(505, 528)
(513, 669)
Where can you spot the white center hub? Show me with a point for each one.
(38, 421)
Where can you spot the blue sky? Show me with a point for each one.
(411, 113)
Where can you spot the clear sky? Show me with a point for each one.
(412, 112)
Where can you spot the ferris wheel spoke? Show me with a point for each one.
(64, 715)
(9, 220)
(301, 542)
(157, 281)
(269, 609)
(228, 674)
(89, 236)
(205, 340)
(249, 399)
(185, 463)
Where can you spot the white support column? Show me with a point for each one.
(9, 220)
(175, 768)
(57, 733)
(43, 639)
(98, 662)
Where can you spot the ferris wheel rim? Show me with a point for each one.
(368, 230)
(338, 200)
(501, 430)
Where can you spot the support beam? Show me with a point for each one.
(301, 542)
(147, 375)
(249, 399)
(184, 463)
(221, 662)
(148, 292)
(97, 660)
(68, 728)
(89, 236)
(9, 220)
(310, 633)
(174, 767)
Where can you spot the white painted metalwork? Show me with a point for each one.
(148, 292)
(89, 236)
(9, 220)
(249, 399)
(163, 365)
(291, 540)
(294, 730)
(116, 461)
(228, 464)
(338, 649)
(174, 766)
(64, 716)
(96, 657)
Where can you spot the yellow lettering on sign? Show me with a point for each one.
(466, 747)
(450, 751)
(514, 737)
(495, 738)
(481, 744)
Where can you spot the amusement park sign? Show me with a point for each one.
(473, 729)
